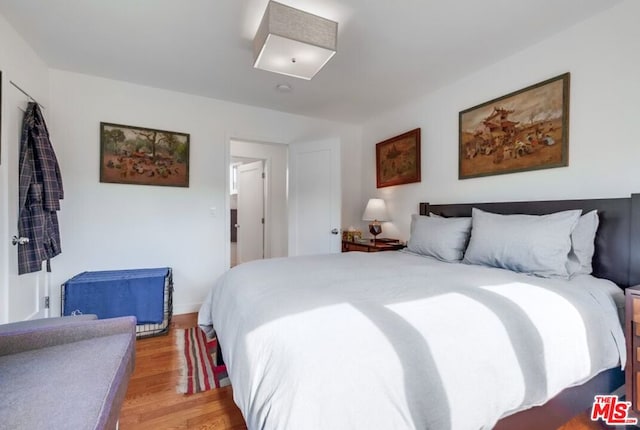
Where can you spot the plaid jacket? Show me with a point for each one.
(39, 194)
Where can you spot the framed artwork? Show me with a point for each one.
(143, 156)
(524, 130)
(398, 160)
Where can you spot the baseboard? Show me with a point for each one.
(36, 315)
(186, 308)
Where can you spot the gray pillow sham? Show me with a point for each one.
(535, 244)
(441, 238)
(583, 244)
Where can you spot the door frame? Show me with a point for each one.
(229, 137)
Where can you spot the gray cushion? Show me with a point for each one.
(23, 340)
(583, 244)
(535, 244)
(30, 325)
(80, 385)
(441, 238)
(66, 373)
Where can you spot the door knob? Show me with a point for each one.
(15, 240)
(236, 225)
(335, 231)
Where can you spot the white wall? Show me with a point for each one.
(276, 226)
(20, 64)
(603, 57)
(106, 226)
(112, 226)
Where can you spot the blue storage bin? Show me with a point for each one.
(143, 293)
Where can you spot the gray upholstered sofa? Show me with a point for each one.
(65, 373)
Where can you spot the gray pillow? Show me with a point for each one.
(535, 244)
(583, 244)
(441, 238)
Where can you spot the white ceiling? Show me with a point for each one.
(388, 51)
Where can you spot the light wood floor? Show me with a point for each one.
(153, 403)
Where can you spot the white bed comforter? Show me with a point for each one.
(393, 340)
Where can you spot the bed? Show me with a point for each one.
(398, 340)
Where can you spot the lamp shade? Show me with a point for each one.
(293, 42)
(376, 210)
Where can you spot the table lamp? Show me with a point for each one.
(375, 211)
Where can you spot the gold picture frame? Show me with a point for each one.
(398, 160)
(521, 131)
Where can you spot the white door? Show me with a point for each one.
(250, 211)
(315, 201)
(25, 293)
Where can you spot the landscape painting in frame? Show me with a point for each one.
(525, 130)
(143, 156)
(398, 160)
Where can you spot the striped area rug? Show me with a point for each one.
(200, 369)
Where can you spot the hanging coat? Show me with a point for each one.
(39, 194)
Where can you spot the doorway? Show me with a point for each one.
(265, 222)
(302, 196)
(247, 209)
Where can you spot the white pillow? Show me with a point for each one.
(441, 238)
(535, 244)
(583, 244)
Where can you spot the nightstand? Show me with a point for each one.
(369, 246)
(632, 334)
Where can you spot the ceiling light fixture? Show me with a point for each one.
(293, 42)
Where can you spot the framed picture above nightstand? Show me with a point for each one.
(371, 246)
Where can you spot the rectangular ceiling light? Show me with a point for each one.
(292, 42)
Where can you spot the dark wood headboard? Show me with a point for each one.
(617, 255)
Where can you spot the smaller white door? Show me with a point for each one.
(250, 212)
